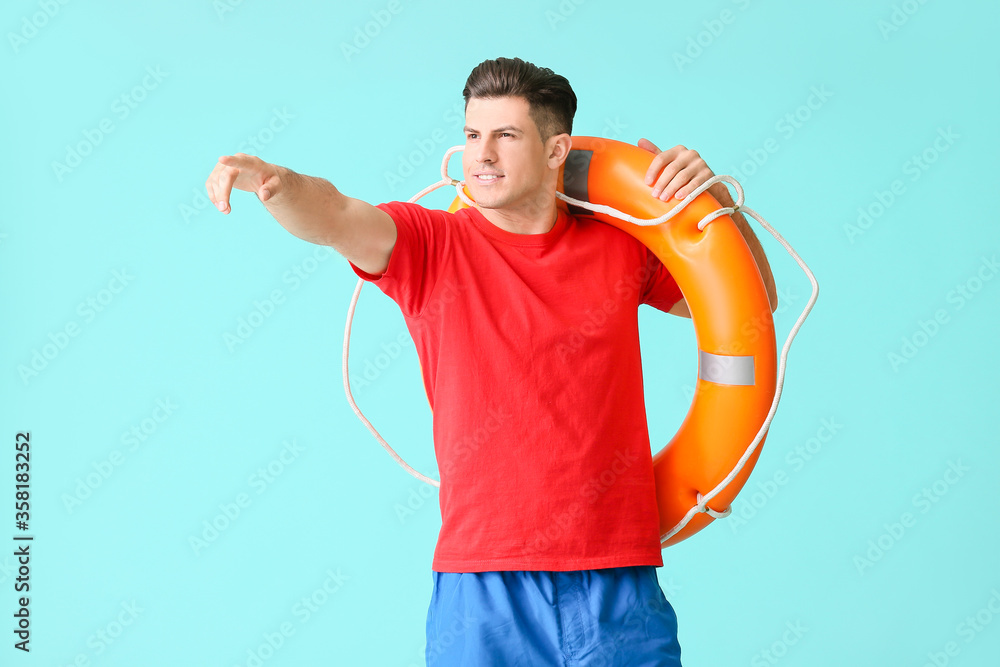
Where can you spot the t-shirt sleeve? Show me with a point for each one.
(415, 260)
(660, 289)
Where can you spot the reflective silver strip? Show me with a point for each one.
(725, 369)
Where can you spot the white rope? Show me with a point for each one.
(708, 510)
(702, 500)
(350, 398)
(646, 222)
(701, 505)
(445, 180)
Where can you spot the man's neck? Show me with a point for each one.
(523, 221)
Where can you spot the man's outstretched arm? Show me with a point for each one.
(311, 208)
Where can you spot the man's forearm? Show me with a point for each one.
(721, 193)
(306, 206)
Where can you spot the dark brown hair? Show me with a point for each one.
(551, 100)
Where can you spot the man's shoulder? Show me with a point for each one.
(413, 209)
(418, 215)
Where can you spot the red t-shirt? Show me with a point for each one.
(529, 349)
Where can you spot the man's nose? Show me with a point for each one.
(487, 151)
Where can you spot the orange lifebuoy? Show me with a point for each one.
(725, 293)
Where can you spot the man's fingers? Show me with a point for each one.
(240, 160)
(685, 181)
(242, 172)
(664, 158)
(648, 145)
(672, 179)
(668, 175)
(227, 175)
(212, 184)
(675, 172)
(224, 187)
(682, 165)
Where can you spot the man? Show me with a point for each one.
(525, 322)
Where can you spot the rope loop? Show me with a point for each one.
(702, 507)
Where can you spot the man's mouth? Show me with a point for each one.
(487, 178)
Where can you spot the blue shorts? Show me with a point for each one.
(608, 617)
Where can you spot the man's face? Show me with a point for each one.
(502, 140)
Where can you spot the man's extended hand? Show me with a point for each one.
(680, 171)
(243, 172)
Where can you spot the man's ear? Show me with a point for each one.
(558, 147)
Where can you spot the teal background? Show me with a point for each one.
(789, 555)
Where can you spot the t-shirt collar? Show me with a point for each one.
(549, 237)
